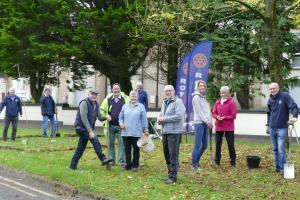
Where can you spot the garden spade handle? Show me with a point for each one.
(210, 144)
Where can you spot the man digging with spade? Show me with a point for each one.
(87, 114)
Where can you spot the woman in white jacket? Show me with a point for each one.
(202, 121)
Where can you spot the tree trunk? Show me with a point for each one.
(37, 83)
(243, 97)
(124, 82)
(32, 82)
(172, 64)
(274, 47)
(275, 56)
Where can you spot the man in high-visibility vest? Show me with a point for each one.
(111, 108)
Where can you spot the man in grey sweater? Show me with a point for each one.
(171, 119)
(87, 114)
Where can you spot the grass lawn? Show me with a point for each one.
(51, 160)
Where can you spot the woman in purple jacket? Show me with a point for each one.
(225, 111)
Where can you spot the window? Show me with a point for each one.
(296, 61)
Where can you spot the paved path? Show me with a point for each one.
(18, 187)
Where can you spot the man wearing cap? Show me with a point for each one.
(87, 114)
(13, 107)
(48, 110)
(279, 106)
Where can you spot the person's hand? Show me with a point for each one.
(267, 130)
(122, 126)
(220, 118)
(146, 133)
(292, 121)
(108, 118)
(160, 120)
(209, 125)
(91, 134)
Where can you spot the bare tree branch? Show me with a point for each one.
(141, 60)
(296, 5)
(221, 19)
(274, 7)
(257, 12)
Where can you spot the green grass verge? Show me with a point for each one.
(51, 159)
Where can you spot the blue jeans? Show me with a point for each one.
(45, 125)
(201, 142)
(278, 136)
(113, 132)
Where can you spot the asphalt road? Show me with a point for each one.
(18, 187)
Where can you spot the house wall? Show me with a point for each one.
(246, 123)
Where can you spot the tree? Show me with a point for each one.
(177, 31)
(104, 31)
(166, 23)
(35, 39)
(272, 14)
(239, 49)
(236, 58)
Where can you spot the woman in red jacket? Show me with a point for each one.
(224, 111)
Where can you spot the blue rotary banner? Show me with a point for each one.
(193, 67)
(181, 82)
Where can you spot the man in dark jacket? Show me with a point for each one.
(279, 106)
(143, 96)
(87, 114)
(13, 107)
(48, 110)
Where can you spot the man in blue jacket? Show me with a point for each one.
(13, 107)
(87, 113)
(143, 96)
(48, 110)
(279, 106)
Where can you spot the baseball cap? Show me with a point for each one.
(93, 91)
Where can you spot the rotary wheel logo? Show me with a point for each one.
(200, 60)
(185, 68)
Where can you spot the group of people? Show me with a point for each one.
(13, 105)
(125, 118)
(224, 112)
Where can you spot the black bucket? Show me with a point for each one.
(253, 162)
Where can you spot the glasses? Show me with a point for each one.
(169, 90)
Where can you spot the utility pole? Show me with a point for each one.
(157, 76)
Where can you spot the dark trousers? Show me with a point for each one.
(83, 139)
(230, 143)
(128, 143)
(14, 121)
(171, 144)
